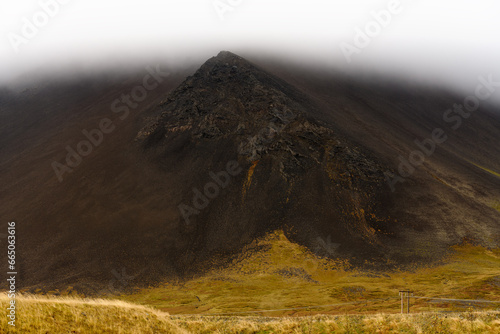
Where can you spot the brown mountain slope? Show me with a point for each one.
(296, 149)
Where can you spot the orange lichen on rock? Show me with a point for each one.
(248, 181)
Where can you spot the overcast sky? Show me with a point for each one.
(449, 40)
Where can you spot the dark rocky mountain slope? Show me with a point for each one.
(195, 173)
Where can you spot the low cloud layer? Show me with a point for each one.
(450, 42)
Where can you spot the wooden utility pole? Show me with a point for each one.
(408, 302)
(403, 294)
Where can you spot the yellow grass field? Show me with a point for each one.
(42, 314)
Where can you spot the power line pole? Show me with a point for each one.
(403, 294)
(408, 302)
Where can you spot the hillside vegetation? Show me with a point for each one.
(275, 273)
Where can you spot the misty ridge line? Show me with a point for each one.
(27, 28)
(454, 118)
(120, 106)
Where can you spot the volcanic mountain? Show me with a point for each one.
(238, 150)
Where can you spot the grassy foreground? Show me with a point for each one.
(42, 314)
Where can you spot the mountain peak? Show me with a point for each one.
(227, 55)
(231, 110)
(226, 96)
(225, 61)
